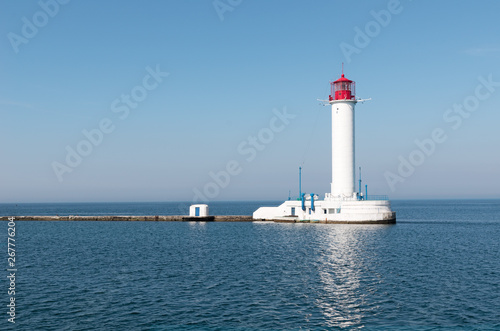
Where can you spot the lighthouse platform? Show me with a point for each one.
(346, 210)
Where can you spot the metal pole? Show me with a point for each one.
(300, 181)
(360, 181)
(366, 192)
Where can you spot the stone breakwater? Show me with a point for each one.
(150, 218)
(171, 218)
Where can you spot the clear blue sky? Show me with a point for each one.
(229, 66)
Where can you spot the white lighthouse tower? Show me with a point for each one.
(343, 204)
(343, 101)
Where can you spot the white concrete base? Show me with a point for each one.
(331, 210)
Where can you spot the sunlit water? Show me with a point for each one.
(438, 268)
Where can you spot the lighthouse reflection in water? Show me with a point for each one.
(345, 275)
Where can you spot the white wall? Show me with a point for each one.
(343, 162)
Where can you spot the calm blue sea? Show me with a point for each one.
(438, 268)
(130, 208)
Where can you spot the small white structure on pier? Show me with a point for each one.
(198, 210)
(343, 204)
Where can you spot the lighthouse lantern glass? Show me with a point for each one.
(343, 89)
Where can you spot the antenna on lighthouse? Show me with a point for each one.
(342, 69)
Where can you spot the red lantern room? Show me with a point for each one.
(343, 89)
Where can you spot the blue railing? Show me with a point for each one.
(369, 197)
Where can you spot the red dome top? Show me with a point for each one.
(343, 79)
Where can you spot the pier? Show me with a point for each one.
(180, 218)
(147, 218)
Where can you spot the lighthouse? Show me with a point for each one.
(342, 204)
(343, 101)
